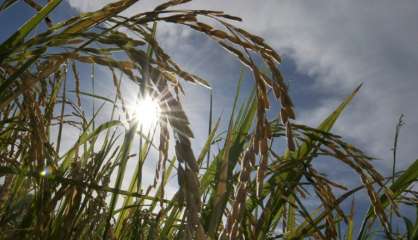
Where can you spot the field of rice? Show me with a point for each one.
(239, 185)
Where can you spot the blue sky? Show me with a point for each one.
(328, 48)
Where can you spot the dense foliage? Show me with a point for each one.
(246, 189)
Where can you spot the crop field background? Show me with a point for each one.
(180, 120)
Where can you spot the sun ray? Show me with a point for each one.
(147, 112)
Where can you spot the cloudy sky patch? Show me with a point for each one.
(334, 45)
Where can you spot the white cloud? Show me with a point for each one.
(340, 44)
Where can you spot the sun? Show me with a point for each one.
(147, 112)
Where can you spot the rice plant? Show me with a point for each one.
(247, 188)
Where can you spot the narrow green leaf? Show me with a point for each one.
(85, 137)
(398, 187)
(13, 41)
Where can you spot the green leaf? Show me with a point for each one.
(276, 201)
(208, 143)
(325, 126)
(226, 161)
(122, 160)
(13, 41)
(6, 4)
(398, 187)
(94, 96)
(85, 137)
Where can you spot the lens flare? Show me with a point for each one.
(147, 112)
(48, 170)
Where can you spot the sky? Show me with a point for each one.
(328, 49)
